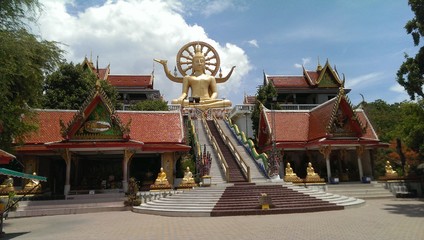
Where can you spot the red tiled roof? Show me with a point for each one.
(313, 75)
(102, 73)
(145, 81)
(319, 119)
(310, 126)
(290, 126)
(154, 127)
(249, 100)
(369, 131)
(147, 127)
(5, 157)
(49, 126)
(288, 81)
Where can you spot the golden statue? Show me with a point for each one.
(161, 179)
(310, 170)
(289, 171)
(33, 184)
(199, 57)
(7, 185)
(188, 176)
(289, 175)
(311, 175)
(389, 170)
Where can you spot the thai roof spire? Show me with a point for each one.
(319, 67)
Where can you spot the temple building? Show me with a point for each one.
(131, 88)
(317, 124)
(97, 147)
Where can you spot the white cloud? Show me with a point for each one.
(254, 43)
(305, 61)
(130, 34)
(364, 80)
(208, 7)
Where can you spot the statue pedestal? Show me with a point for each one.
(293, 179)
(160, 187)
(314, 179)
(206, 181)
(187, 185)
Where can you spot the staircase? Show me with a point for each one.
(243, 199)
(198, 202)
(235, 172)
(75, 204)
(360, 190)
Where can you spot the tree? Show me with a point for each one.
(14, 13)
(150, 105)
(266, 95)
(69, 86)
(24, 60)
(411, 73)
(399, 120)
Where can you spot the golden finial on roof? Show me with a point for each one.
(98, 85)
(319, 67)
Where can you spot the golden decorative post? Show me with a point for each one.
(326, 151)
(200, 58)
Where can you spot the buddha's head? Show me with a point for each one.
(198, 59)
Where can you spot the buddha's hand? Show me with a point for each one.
(163, 62)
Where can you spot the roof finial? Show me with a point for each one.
(319, 67)
(97, 67)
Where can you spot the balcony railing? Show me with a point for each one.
(297, 107)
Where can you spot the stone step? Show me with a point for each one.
(363, 191)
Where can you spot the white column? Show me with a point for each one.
(359, 152)
(327, 161)
(66, 155)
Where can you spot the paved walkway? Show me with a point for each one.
(378, 219)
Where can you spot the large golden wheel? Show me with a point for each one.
(186, 54)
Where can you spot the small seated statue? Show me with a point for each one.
(33, 184)
(311, 175)
(7, 185)
(161, 182)
(289, 175)
(389, 170)
(188, 176)
(161, 179)
(289, 170)
(188, 180)
(310, 170)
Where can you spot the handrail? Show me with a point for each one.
(196, 140)
(245, 168)
(221, 158)
(261, 159)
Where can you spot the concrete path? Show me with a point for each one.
(378, 219)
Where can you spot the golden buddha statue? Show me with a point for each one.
(161, 179)
(311, 175)
(188, 180)
(188, 176)
(202, 85)
(33, 184)
(7, 185)
(289, 175)
(389, 170)
(310, 170)
(289, 170)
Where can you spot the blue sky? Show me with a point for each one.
(364, 39)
